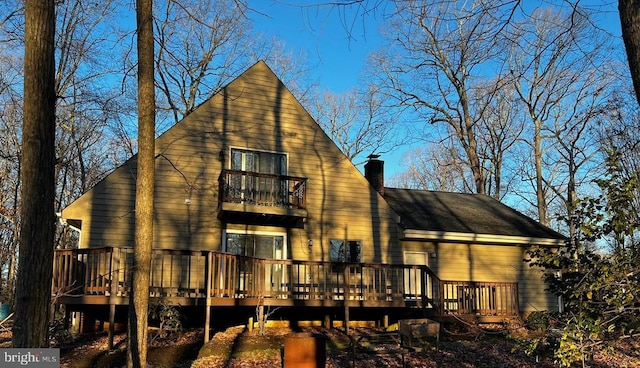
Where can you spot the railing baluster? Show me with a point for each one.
(105, 271)
(237, 186)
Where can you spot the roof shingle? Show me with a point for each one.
(462, 213)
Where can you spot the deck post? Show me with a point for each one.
(261, 321)
(67, 317)
(112, 321)
(423, 289)
(207, 296)
(207, 322)
(441, 306)
(346, 317)
(114, 273)
(114, 276)
(347, 287)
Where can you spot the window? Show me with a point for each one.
(263, 184)
(345, 251)
(251, 272)
(258, 162)
(253, 245)
(336, 250)
(353, 251)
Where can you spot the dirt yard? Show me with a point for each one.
(237, 347)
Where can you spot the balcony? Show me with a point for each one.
(261, 199)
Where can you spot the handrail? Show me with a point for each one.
(479, 298)
(274, 190)
(106, 271)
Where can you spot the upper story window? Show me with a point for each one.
(258, 161)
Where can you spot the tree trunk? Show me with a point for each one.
(470, 144)
(630, 22)
(541, 201)
(33, 286)
(139, 300)
(571, 202)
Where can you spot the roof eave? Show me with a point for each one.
(445, 236)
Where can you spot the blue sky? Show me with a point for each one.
(336, 58)
(337, 40)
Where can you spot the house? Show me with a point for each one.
(256, 206)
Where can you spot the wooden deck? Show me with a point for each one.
(102, 276)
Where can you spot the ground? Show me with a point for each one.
(236, 347)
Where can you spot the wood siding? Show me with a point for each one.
(254, 112)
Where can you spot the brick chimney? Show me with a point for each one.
(374, 172)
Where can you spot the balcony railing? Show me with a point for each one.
(227, 279)
(262, 189)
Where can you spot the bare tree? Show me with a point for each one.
(291, 67)
(139, 299)
(33, 288)
(438, 54)
(499, 128)
(433, 168)
(357, 122)
(10, 168)
(87, 97)
(87, 101)
(554, 61)
(201, 46)
(11, 108)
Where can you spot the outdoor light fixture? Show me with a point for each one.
(310, 243)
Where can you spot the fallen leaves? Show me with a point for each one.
(238, 348)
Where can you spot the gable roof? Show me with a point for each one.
(434, 215)
(255, 112)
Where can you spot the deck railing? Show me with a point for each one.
(223, 277)
(245, 277)
(479, 298)
(262, 189)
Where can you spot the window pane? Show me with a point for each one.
(264, 247)
(236, 160)
(250, 162)
(336, 250)
(235, 243)
(249, 245)
(353, 251)
(259, 246)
